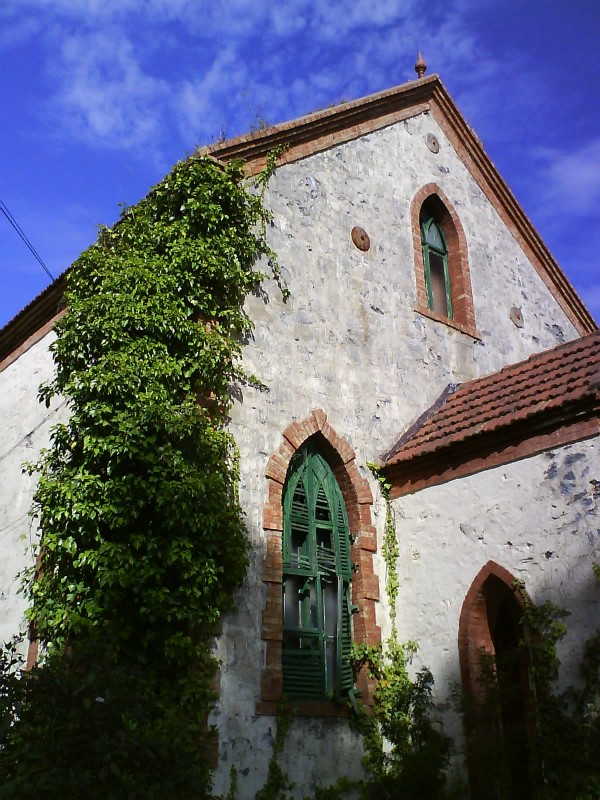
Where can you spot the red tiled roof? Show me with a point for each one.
(545, 382)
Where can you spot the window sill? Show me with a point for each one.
(450, 323)
(305, 708)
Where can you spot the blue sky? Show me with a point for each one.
(101, 97)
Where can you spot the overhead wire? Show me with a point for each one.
(21, 233)
(33, 430)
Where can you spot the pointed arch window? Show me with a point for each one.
(317, 609)
(442, 276)
(435, 260)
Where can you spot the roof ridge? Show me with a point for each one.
(253, 137)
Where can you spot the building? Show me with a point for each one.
(428, 330)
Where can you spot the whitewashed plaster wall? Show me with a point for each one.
(348, 341)
(539, 518)
(26, 426)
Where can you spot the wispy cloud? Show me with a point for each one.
(564, 193)
(569, 181)
(103, 94)
(195, 102)
(106, 92)
(18, 31)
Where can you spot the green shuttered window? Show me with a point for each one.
(317, 609)
(435, 258)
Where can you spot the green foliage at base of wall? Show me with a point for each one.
(277, 783)
(564, 760)
(143, 541)
(406, 751)
(551, 747)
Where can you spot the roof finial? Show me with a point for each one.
(420, 66)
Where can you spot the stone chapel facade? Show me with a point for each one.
(428, 330)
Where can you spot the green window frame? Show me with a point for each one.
(435, 260)
(317, 570)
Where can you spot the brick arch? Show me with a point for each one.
(473, 629)
(458, 262)
(358, 499)
(492, 585)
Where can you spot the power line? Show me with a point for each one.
(21, 233)
(33, 430)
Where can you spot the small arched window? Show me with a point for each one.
(317, 608)
(437, 273)
(442, 277)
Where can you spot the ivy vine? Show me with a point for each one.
(406, 751)
(143, 541)
(390, 550)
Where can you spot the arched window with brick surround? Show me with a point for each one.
(441, 265)
(334, 498)
(317, 606)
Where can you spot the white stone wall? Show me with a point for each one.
(26, 426)
(348, 341)
(539, 518)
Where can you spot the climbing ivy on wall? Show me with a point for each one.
(143, 542)
(406, 751)
(563, 757)
(390, 550)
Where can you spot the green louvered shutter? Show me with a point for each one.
(316, 583)
(343, 539)
(303, 668)
(297, 542)
(345, 675)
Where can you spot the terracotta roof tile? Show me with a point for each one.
(545, 382)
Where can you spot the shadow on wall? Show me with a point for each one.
(524, 735)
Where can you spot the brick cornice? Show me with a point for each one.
(31, 323)
(324, 129)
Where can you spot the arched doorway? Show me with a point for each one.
(498, 700)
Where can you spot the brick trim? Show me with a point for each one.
(306, 709)
(365, 586)
(473, 631)
(324, 129)
(450, 323)
(458, 262)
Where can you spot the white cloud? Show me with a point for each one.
(198, 104)
(132, 74)
(569, 182)
(104, 96)
(17, 31)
